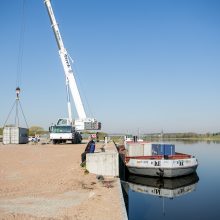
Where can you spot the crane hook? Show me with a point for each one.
(18, 90)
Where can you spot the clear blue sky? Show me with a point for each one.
(143, 64)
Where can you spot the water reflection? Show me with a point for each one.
(158, 187)
(162, 187)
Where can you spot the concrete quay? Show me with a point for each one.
(47, 182)
(104, 161)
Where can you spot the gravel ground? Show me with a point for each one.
(46, 182)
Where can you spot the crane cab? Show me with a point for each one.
(64, 132)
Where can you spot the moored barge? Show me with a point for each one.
(161, 160)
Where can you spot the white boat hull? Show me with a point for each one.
(162, 168)
(163, 172)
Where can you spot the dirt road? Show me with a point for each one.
(47, 182)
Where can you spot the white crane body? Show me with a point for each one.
(82, 123)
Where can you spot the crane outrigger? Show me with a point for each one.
(67, 128)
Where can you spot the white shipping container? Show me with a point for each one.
(147, 149)
(15, 135)
(6, 135)
(135, 149)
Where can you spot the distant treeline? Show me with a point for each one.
(188, 135)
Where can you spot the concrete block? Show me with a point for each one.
(103, 163)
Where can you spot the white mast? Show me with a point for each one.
(70, 80)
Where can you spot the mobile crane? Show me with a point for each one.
(67, 129)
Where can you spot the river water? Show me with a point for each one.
(192, 197)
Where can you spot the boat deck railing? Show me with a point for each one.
(175, 156)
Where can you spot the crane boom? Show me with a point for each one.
(70, 79)
(82, 123)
